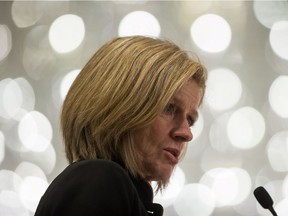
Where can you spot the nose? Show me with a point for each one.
(182, 131)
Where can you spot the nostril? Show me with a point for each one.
(182, 132)
(183, 138)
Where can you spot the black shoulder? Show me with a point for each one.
(89, 187)
(94, 177)
(96, 168)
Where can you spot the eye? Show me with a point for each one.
(191, 121)
(169, 109)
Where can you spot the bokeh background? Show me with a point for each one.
(240, 141)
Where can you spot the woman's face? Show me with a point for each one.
(161, 143)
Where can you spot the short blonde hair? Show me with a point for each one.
(121, 89)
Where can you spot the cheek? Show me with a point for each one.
(142, 140)
(147, 143)
(150, 139)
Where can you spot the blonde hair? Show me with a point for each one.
(121, 89)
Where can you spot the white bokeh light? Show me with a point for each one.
(35, 131)
(5, 41)
(244, 185)
(17, 98)
(66, 33)
(67, 82)
(38, 57)
(9, 180)
(12, 98)
(11, 204)
(195, 199)
(25, 169)
(27, 13)
(211, 33)
(246, 128)
(224, 89)
(282, 207)
(139, 23)
(269, 12)
(278, 96)
(278, 38)
(31, 190)
(212, 158)
(46, 160)
(176, 183)
(277, 151)
(218, 133)
(229, 186)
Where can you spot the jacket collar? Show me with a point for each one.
(145, 193)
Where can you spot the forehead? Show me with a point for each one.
(190, 92)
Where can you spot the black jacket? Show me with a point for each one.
(98, 188)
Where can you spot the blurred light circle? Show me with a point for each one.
(32, 188)
(218, 134)
(35, 131)
(187, 10)
(46, 160)
(11, 98)
(224, 89)
(66, 33)
(245, 128)
(9, 180)
(229, 186)
(5, 42)
(25, 169)
(26, 13)
(278, 38)
(176, 183)
(38, 57)
(2, 146)
(211, 158)
(11, 204)
(244, 185)
(269, 12)
(222, 183)
(282, 207)
(17, 98)
(277, 151)
(211, 33)
(9, 199)
(195, 199)
(278, 96)
(67, 82)
(139, 23)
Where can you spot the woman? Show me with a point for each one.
(125, 122)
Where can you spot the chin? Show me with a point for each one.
(165, 176)
(159, 177)
(161, 173)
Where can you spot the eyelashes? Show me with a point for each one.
(169, 109)
(172, 110)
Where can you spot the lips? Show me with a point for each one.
(172, 154)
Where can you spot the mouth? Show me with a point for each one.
(172, 154)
